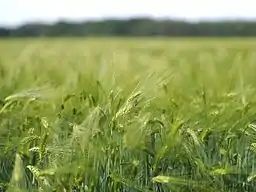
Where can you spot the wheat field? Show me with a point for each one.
(127, 115)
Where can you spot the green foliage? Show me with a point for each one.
(119, 115)
(134, 27)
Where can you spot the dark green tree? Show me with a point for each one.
(134, 27)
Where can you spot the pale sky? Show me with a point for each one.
(13, 12)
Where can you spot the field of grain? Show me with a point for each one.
(128, 115)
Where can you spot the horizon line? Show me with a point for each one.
(162, 18)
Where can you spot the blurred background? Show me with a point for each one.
(127, 18)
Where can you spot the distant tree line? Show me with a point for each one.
(133, 27)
